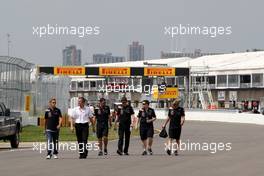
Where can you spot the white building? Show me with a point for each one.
(232, 79)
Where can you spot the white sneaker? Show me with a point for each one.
(48, 156)
(55, 156)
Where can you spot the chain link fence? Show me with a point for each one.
(14, 82)
(46, 86)
(19, 79)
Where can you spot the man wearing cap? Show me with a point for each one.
(146, 117)
(176, 117)
(124, 113)
(103, 120)
(81, 117)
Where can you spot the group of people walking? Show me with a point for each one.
(101, 120)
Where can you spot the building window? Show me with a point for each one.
(80, 85)
(86, 85)
(100, 83)
(221, 80)
(233, 81)
(93, 84)
(180, 81)
(211, 79)
(257, 80)
(73, 85)
(170, 81)
(245, 81)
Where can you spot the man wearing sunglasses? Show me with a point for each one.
(103, 121)
(124, 114)
(176, 117)
(53, 119)
(146, 117)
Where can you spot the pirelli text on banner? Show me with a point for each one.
(159, 71)
(69, 70)
(114, 71)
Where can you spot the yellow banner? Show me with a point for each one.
(152, 71)
(114, 71)
(27, 103)
(69, 70)
(170, 92)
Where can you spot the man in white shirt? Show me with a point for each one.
(81, 116)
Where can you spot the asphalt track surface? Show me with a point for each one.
(245, 158)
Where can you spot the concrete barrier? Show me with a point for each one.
(216, 116)
(226, 117)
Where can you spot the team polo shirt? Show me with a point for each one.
(145, 115)
(124, 114)
(175, 115)
(52, 117)
(102, 114)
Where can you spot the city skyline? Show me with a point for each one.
(115, 24)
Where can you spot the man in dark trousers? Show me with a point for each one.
(103, 121)
(124, 113)
(81, 117)
(176, 117)
(146, 117)
(53, 119)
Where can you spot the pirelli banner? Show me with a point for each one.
(114, 71)
(154, 71)
(69, 70)
(169, 92)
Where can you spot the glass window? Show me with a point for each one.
(181, 81)
(73, 85)
(170, 81)
(221, 80)
(257, 78)
(86, 85)
(80, 84)
(233, 81)
(93, 84)
(245, 79)
(211, 79)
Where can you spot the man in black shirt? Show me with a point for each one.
(176, 116)
(53, 119)
(102, 116)
(124, 113)
(146, 117)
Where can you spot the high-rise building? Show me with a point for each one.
(135, 52)
(72, 56)
(107, 58)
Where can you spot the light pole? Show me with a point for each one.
(8, 44)
(7, 70)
